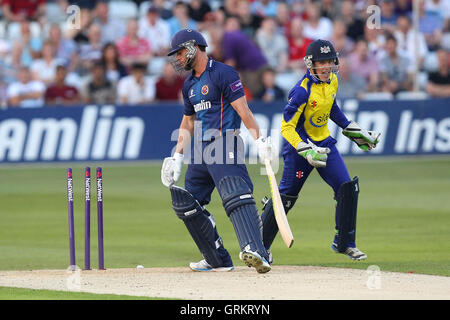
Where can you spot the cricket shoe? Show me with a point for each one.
(205, 266)
(253, 259)
(270, 257)
(352, 252)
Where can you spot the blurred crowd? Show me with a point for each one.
(68, 52)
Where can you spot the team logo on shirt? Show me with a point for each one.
(299, 174)
(314, 104)
(205, 90)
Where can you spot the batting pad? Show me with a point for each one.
(346, 209)
(200, 224)
(240, 206)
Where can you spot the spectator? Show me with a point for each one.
(342, 43)
(297, 45)
(229, 7)
(431, 25)
(44, 69)
(244, 55)
(406, 41)
(396, 69)
(388, 17)
(273, 45)
(330, 9)
(270, 92)
(26, 93)
(375, 40)
(355, 26)
(364, 64)
(136, 88)
(198, 9)
(283, 18)
(111, 29)
(264, 8)
(114, 69)
(80, 35)
(316, 27)
(180, 19)
(214, 48)
(26, 47)
(98, 89)
(164, 12)
(351, 84)
(403, 7)
(132, 48)
(91, 51)
(438, 85)
(249, 22)
(7, 68)
(156, 31)
(59, 93)
(21, 10)
(441, 8)
(169, 85)
(66, 49)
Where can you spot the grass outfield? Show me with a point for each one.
(403, 218)
(30, 294)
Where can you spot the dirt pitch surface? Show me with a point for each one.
(283, 282)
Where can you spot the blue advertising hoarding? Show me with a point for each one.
(101, 133)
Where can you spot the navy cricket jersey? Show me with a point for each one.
(209, 97)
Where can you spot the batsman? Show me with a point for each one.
(214, 106)
(307, 145)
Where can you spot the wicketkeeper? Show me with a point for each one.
(308, 145)
(214, 106)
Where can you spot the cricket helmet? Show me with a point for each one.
(188, 39)
(320, 50)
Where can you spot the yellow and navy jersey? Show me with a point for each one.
(311, 103)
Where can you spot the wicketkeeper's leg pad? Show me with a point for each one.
(270, 226)
(346, 209)
(201, 225)
(240, 207)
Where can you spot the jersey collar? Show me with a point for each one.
(209, 66)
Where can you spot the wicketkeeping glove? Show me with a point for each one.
(316, 156)
(366, 140)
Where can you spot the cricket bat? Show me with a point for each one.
(278, 208)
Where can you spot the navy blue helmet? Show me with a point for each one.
(180, 39)
(320, 50)
(188, 39)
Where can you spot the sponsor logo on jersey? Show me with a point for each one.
(203, 105)
(235, 86)
(192, 94)
(320, 120)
